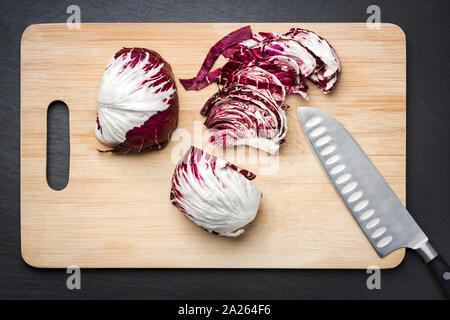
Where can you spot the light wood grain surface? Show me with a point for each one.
(115, 211)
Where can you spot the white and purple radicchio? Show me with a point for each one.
(241, 115)
(262, 69)
(214, 194)
(137, 102)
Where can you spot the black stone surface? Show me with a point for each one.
(426, 25)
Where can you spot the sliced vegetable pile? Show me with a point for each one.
(137, 102)
(214, 194)
(261, 70)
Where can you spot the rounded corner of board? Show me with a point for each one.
(397, 29)
(397, 260)
(28, 33)
(29, 260)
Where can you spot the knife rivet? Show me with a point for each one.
(446, 275)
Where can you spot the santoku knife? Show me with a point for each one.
(378, 211)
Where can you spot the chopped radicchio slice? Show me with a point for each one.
(137, 102)
(214, 194)
(204, 77)
(277, 45)
(255, 39)
(283, 71)
(314, 56)
(252, 77)
(241, 115)
(326, 77)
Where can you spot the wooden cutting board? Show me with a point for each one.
(115, 211)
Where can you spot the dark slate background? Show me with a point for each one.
(426, 24)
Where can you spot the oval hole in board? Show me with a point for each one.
(58, 145)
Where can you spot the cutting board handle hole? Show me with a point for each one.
(58, 145)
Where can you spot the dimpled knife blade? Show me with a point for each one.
(380, 214)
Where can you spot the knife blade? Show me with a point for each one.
(375, 207)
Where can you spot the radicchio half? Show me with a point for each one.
(137, 102)
(214, 194)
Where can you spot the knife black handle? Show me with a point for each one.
(440, 269)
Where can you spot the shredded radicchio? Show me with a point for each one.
(261, 70)
(214, 194)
